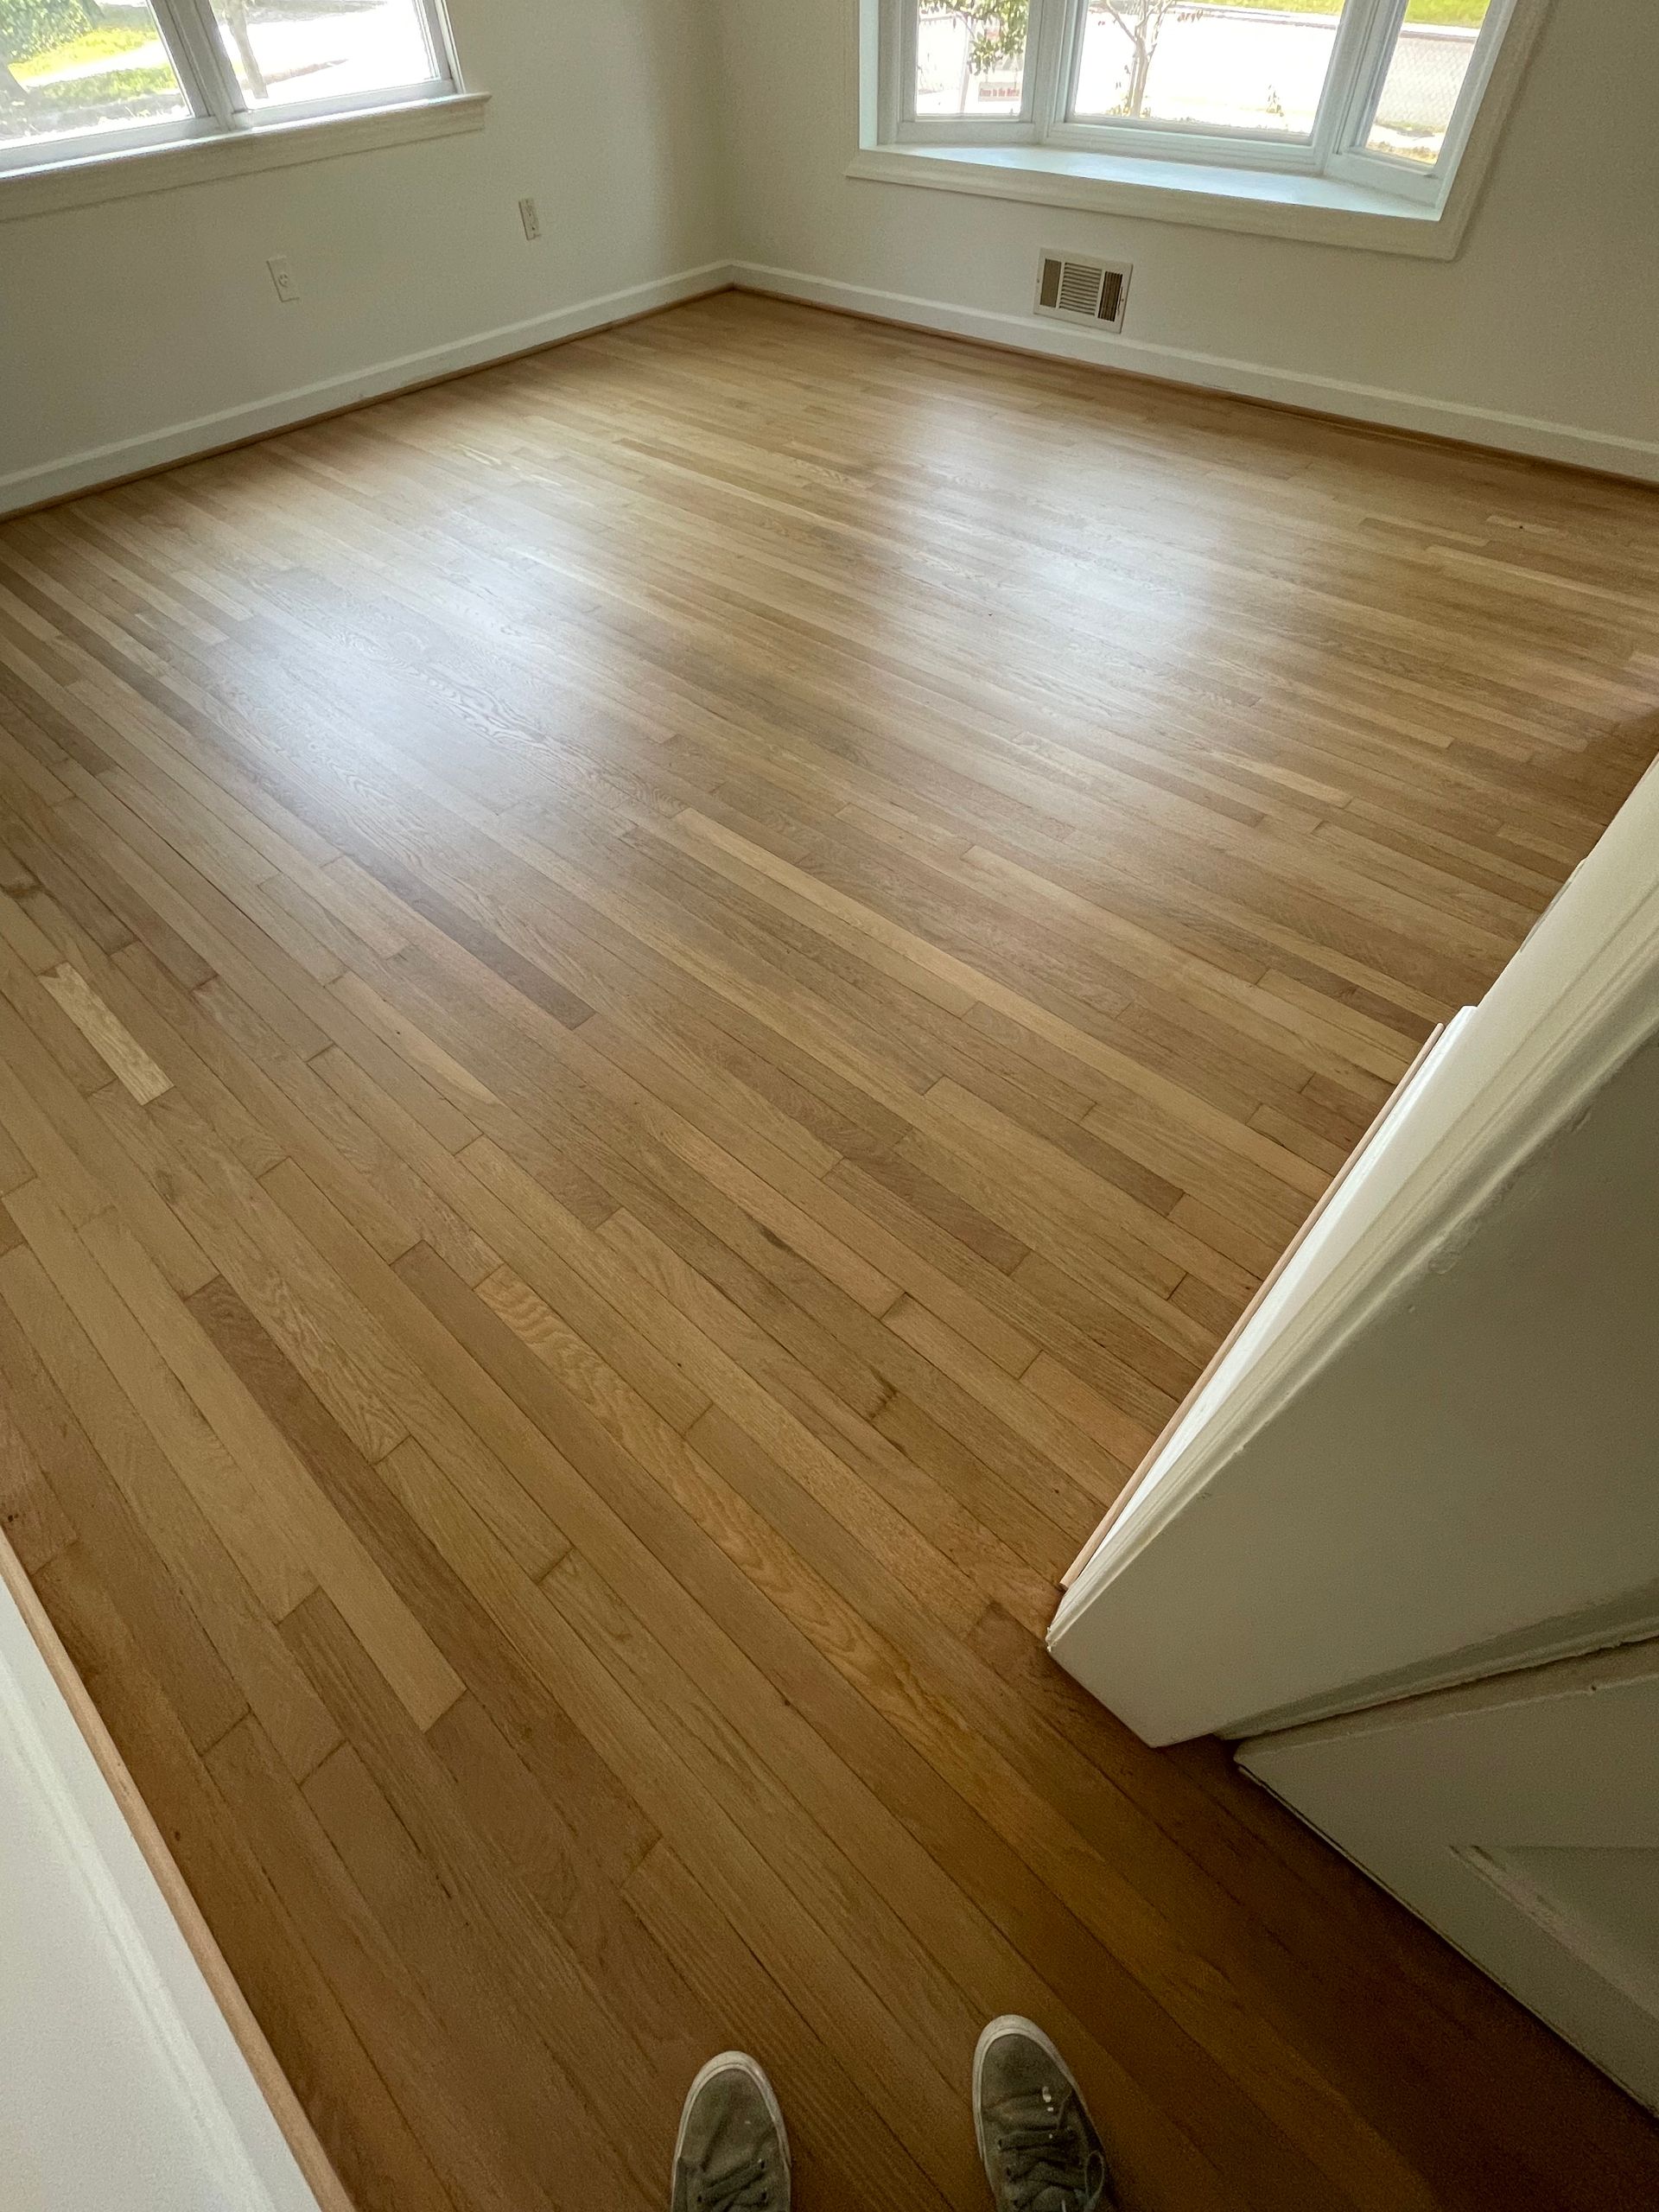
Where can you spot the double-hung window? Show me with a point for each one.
(83, 78)
(1379, 94)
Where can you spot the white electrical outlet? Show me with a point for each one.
(530, 218)
(282, 277)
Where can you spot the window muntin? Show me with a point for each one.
(62, 75)
(1375, 92)
(1428, 69)
(286, 51)
(79, 79)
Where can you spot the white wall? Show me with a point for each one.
(1520, 1817)
(121, 2088)
(1474, 1468)
(663, 136)
(1550, 313)
(118, 322)
(1432, 1452)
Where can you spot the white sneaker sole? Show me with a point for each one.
(731, 2061)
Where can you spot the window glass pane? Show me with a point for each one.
(970, 58)
(65, 67)
(1424, 75)
(1213, 65)
(288, 50)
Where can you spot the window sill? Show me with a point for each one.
(90, 178)
(1268, 202)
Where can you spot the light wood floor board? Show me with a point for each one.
(653, 1008)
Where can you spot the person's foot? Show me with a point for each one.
(1037, 2142)
(732, 2154)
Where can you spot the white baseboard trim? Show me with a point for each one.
(57, 479)
(1364, 403)
(1401, 410)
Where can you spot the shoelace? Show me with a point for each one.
(741, 2188)
(1040, 2149)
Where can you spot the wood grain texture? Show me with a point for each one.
(274, 2084)
(655, 1007)
(109, 1040)
(1396, 1101)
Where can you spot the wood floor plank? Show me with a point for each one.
(151, 1543)
(233, 1499)
(434, 2066)
(34, 1522)
(845, 2151)
(654, 1006)
(76, 1159)
(370, 2141)
(574, 1776)
(532, 1976)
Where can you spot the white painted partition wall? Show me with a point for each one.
(123, 2086)
(1432, 1452)
(1519, 1816)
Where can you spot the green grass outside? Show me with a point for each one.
(106, 92)
(1470, 13)
(92, 46)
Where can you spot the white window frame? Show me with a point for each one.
(1335, 148)
(218, 111)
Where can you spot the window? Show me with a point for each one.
(1379, 94)
(80, 78)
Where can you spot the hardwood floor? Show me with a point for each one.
(653, 1008)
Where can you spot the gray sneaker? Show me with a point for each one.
(1036, 2139)
(732, 2154)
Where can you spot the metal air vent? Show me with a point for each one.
(1092, 292)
